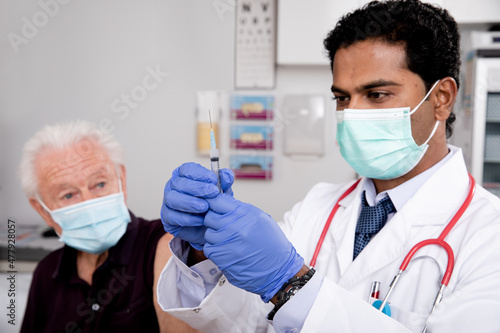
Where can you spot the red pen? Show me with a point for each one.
(375, 290)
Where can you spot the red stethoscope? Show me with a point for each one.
(438, 241)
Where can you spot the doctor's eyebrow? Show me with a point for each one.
(367, 86)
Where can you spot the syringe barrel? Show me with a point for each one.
(214, 164)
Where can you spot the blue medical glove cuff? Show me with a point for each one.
(295, 263)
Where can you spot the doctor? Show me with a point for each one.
(395, 77)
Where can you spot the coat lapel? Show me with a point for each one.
(343, 227)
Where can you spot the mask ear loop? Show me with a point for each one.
(432, 133)
(41, 203)
(39, 199)
(425, 98)
(416, 108)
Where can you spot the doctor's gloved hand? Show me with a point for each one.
(184, 205)
(249, 247)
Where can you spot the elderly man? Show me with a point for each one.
(104, 278)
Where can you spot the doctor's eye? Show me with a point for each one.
(340, 100)
(378, 96)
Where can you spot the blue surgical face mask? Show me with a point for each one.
(94, 225)
(377, 143)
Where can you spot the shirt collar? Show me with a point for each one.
(402, 193)
(120, 254)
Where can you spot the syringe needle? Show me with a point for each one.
(210, 117)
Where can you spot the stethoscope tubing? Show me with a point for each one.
(440, 240)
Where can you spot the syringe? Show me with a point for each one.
(214, 155)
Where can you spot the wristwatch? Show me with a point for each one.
(288, 290)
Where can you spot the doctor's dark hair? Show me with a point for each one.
(429, 33)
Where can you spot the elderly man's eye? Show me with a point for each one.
(101, 184)
(68, 196)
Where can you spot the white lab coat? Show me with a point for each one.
(471, 301)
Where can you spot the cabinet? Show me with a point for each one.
(474, 11)
(303, 25)
(485, 163)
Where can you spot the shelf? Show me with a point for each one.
(492, 160)
(494, 121)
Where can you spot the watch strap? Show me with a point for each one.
(288, 290)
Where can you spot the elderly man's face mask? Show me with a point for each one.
(94, 225)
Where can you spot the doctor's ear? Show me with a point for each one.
(445, 95)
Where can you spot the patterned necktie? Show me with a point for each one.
(371, 220)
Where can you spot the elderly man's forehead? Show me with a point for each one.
(55, 171)
(73, 161)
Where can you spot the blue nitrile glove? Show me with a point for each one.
(249, 247)
(184, 207)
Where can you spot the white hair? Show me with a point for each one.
(61, 136)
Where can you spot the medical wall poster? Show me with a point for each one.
(252, 166)
(248, 107)
(251, 137)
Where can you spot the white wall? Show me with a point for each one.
(91, 52)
